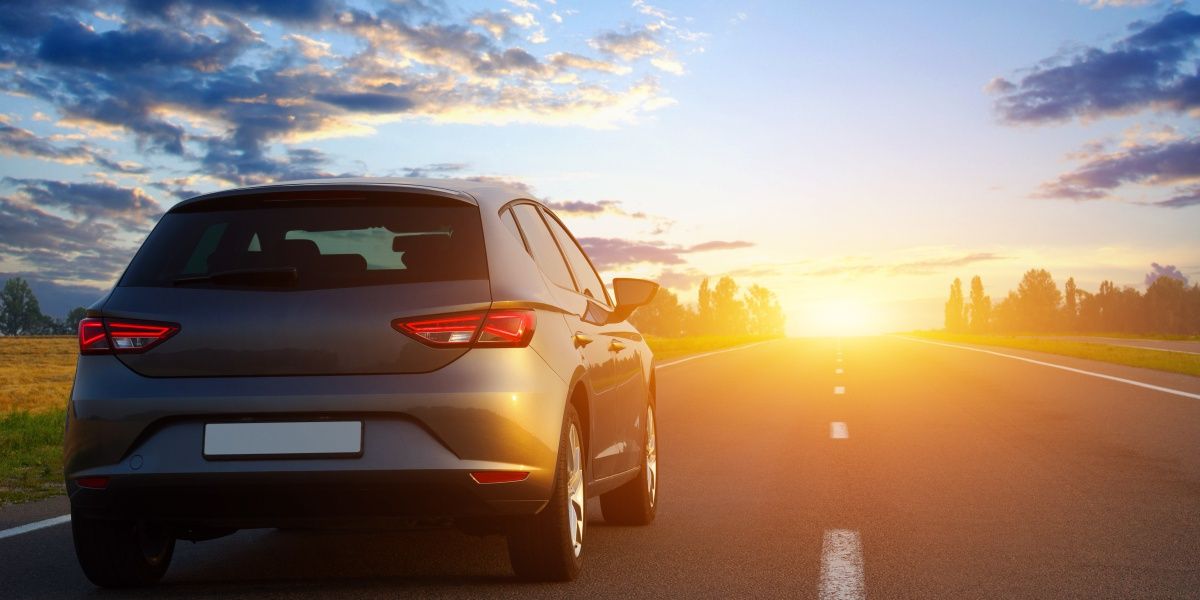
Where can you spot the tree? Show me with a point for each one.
(1038, 301)
(1070, 305)
(728, 312)
(981, 307)
(705, 319)
(763, 311)
(955, 321)
(663, 316)
(71, 322)
(19, 310)
(1165, 305)
(1006, 314)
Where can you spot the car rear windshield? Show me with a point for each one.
(312, 245)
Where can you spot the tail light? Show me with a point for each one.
(483, 329)
(117, 336)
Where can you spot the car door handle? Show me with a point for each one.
(616, 346)
(582, 340)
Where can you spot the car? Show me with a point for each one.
(359, 353)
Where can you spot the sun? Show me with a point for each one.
(839, 317)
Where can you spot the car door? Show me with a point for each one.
(623, 363)
(584, 320)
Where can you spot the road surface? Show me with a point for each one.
(918, 471)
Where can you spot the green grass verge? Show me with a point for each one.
(667, 348)
(1173, 362)
(31, 460)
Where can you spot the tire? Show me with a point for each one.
(636, 502)
(548, 546)
(121, 553)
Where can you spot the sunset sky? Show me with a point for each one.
(854, 158)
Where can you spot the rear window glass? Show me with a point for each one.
(334, 245)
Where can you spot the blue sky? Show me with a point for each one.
(852, 157)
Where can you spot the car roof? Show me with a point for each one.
(486, 193)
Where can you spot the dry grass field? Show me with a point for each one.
(36, 372)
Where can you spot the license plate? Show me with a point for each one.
(301, 438)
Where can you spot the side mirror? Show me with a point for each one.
(631, 293)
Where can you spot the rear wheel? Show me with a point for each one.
(121, 553)
(636, 502)
(549, 545)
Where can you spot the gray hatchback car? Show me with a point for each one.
(358, 352)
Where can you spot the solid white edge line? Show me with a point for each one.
(838, 430)
(59, 520)
(722, 351)
(841, 566)
(1149, 386)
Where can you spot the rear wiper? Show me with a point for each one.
(275, 276)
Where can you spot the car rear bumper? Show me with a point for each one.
(423, 435)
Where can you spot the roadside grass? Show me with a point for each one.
(31, 464)
(667, 348)
(35, 380)
(1173, 362)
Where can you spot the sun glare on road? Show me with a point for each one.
(840, 317)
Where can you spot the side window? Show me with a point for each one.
(541, 245)
(589, 282)
(510, 222)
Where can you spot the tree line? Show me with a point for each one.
(1169, 306)
(720, 310)
(20, 313)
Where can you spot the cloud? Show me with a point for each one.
(1158, 270)
(232, 92)
(128, 206)
(1189, 196)
(1098, 4)
(914, 267)
(196, 81)
(576, 62)
(627, 45)
(58, 248)
(1153, 67)
(612, 252)
(719, 245)
(22, 142)
(1156, 164)
(583, 208)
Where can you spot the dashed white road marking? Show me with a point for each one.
(838, 431)
(841, 566)
(7, 533)
(1148, 386)
(838, 371)
(840, 389)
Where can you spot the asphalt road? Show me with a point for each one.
(960, 475)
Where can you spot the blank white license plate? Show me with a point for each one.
(283, 439)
